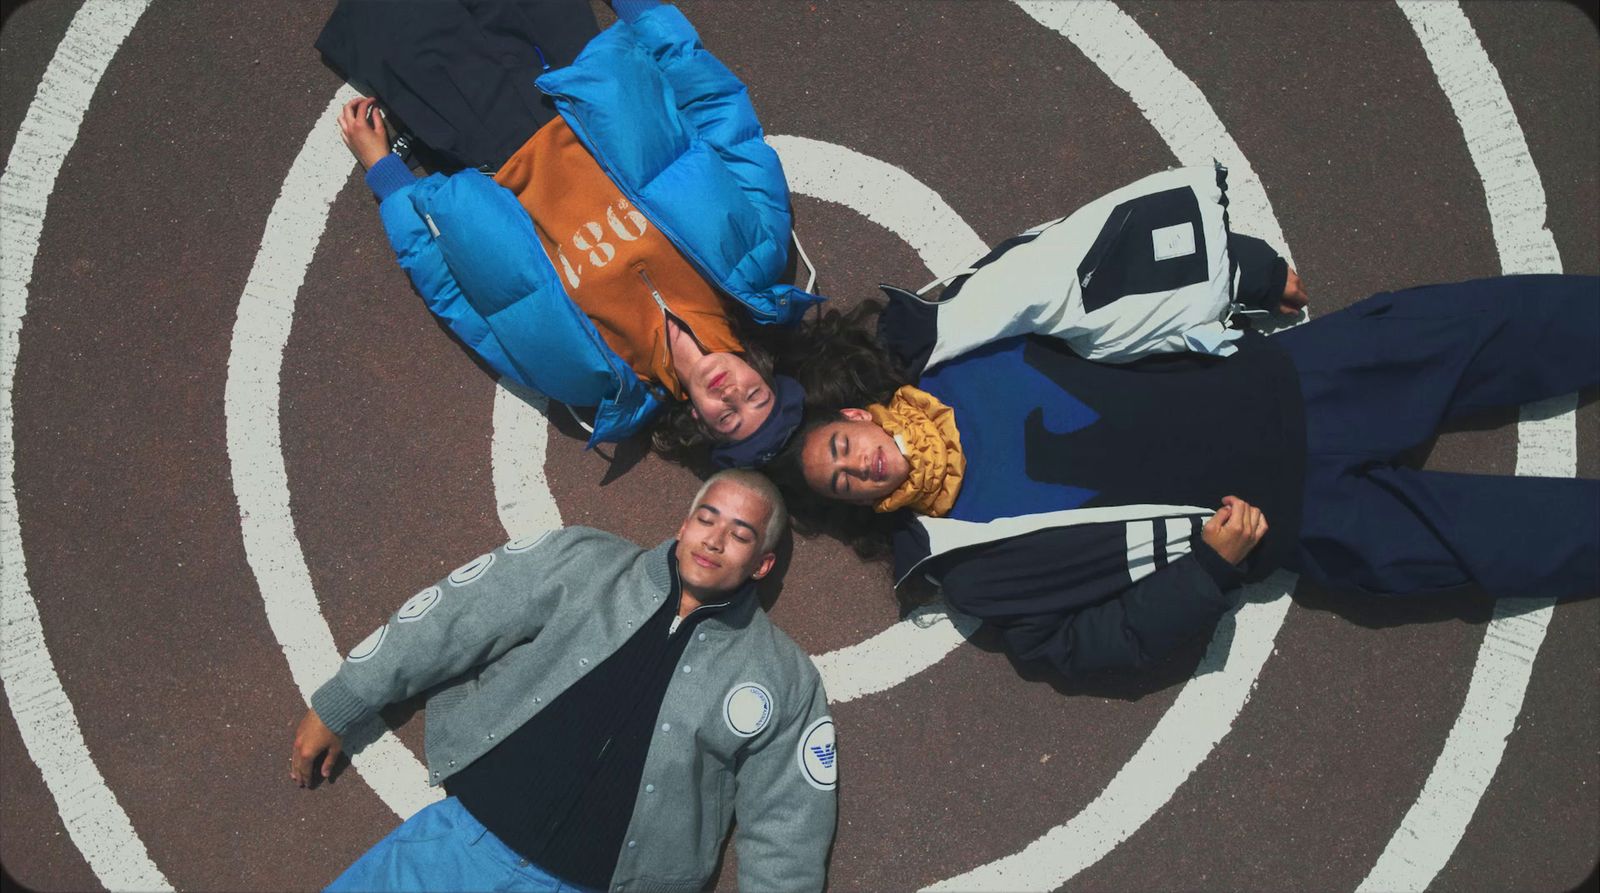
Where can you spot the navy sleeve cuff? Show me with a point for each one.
(1225, 575)
(388, 176)
(629, 10)
(1262, 272)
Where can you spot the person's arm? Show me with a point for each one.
(1049, 606)
(785, 806)
(472, 616)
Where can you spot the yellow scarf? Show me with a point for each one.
(926, 432)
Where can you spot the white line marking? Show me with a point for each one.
(1201, 716)
(1205, 710)
(521, 436)
(260, 481)
(95, 821)
(1171, 102)
(882, 193)
(894, 655)
(1546, 446)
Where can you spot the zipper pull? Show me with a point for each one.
(652, 286)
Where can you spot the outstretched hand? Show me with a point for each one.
(312, 740)
(1294, 295)
(1235, 529)
(361, 125)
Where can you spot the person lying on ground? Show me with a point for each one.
(1087, 457)
(599, 714)
(616, 258)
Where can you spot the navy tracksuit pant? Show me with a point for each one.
(1378, 379)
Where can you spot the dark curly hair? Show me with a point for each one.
(838, 360)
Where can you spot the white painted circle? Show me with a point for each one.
(417, 606)
(747, 709)
(472, 570)
(817, 756)
(369, 646)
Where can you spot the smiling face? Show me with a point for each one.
(728, 395)
(721, 543)
(853, 460)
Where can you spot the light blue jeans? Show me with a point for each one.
(443, 847)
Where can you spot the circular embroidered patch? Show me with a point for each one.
(369, 646)
(418, 605)
(818, 759)
(747, 709)
(524, 543)
(472, 570)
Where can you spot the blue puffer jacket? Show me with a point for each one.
(676, 133)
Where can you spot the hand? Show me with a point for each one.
(361, 125)
(1294, 295)
(311, 740)
(1235, 529)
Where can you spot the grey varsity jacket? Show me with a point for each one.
(743, 732)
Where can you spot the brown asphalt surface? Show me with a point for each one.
(154, 618)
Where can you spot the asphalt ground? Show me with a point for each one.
(152, 611)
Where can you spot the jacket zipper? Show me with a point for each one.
(666, 313)
(1100, 255)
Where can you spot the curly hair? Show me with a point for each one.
(838, 360)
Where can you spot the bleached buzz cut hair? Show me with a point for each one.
(766, 489)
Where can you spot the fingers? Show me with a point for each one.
(1295, 297)
(300, 764)
(328, 761)
(358, 113)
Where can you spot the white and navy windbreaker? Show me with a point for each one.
(1148, 269)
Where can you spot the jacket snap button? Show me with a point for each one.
(583, 661)
(649, 789)
(452, 764)
(632, 844)
(702, 637)
(686, 668)
(666, 727)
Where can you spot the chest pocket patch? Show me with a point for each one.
(747, 709)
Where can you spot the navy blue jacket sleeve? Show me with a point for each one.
(1053, 603)
(1262, 272)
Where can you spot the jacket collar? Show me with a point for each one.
(661, 568)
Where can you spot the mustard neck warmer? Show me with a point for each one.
(926, 431)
